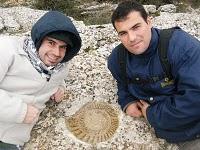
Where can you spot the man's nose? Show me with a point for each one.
(56, 51)
(131, 36)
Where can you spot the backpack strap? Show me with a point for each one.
(122, 54)
(165, 36)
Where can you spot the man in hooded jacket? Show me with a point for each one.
(32, 71)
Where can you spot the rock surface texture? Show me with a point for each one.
(89, 80)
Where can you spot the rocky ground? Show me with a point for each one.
(89, 80)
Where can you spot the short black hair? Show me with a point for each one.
(125, 7)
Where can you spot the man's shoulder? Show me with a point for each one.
(116, 49)
(7, 37)
(183, 40)
(114, 54)
(10, 44)
(181, 35)
(182, 45)
(10, 40)
(113, 57)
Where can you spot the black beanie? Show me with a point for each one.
(58, 35)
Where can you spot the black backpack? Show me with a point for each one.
(165, 36)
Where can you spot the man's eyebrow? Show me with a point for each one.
(135, 25)
(52, 40)
(120, 32)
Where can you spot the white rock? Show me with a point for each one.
(151, 9)
(1, 24)
(171, 8)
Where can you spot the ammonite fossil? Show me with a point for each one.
(95, 122)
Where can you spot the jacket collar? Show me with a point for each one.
(153, 43)
(20, 49)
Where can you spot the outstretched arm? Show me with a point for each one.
(59, 95)
(125, 99)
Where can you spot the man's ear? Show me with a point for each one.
(149, 20)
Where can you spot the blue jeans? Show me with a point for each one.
(190, 145)
(5, 146)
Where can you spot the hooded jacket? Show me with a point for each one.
(55, 21)
(174, 108)
(22, 84)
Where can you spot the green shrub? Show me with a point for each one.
(2, 3)
(194, 3)
(102, 17)
(60, 5)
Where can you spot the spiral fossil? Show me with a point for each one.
(95, 122)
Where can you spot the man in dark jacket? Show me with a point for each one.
(32, 71)
(171, 107)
